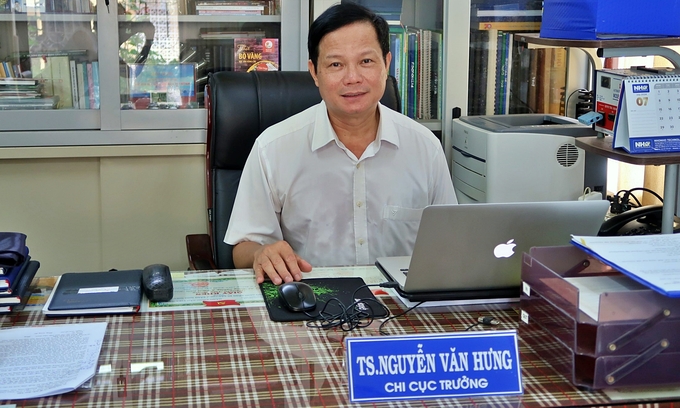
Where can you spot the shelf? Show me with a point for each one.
(205, 19)
(534, 38)
(603, 147)
(58, 17)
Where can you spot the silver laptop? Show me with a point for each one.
(474, 251)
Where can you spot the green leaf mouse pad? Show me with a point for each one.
(325, 290)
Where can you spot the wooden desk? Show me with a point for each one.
(233, 357)
(603, 146)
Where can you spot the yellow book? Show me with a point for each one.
(41, 70)
(511, 25)
(61, 80)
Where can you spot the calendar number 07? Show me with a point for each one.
(641, 100)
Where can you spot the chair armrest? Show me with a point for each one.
(200, 252)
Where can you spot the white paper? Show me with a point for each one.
(591, 287)
(48, 360)
(651, 259)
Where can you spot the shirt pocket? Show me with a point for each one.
(396, 213)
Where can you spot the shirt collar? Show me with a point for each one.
(324, 134)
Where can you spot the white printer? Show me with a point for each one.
(523, 157)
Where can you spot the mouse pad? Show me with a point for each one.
(324, 289)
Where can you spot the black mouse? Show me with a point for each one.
(157, 283)
(297, 296)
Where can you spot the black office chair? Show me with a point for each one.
(240, 106)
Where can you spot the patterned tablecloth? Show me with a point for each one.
(238, 357)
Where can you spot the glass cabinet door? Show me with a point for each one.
(417, 47)
(507, 76)
(169, 47)
(49, 64)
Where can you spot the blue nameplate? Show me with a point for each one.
(462, 364)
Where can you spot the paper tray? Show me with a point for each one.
(627, 323)
(603, 372)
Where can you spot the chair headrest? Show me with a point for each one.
(243, 105)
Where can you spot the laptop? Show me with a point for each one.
(474, 251)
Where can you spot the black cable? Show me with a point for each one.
(643, 189)
(384, 333)
(621, 201)
(566, 104)
(485, 321)
(349, 317)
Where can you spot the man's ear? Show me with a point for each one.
(310, 67)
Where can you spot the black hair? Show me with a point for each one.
(341, 15)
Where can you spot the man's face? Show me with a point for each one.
(350, 72)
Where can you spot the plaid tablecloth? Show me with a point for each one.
(237, 357)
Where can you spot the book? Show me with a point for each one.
(648, 114)
(543, 80)
(95, 293)
(558, 81)
(256, 54)
(9, 280)
(412, 38)
(95, 84)
(61, 80)
(21, 290)
(399, 61)
(510, 25)
(74, 83)
(83, 98)
(651, 260)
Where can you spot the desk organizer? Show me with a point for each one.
(633, 342)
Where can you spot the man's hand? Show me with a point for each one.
(279, 262)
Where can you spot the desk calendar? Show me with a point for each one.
(648, 115)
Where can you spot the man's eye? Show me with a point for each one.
(335, 64)
(367, 61)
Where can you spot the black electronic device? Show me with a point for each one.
(157, 283)
(636, 221)
(297, 296)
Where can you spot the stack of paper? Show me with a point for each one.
(73, 353)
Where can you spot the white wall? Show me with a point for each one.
(97, 208)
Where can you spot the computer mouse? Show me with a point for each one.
(297, 296)
(157, 283)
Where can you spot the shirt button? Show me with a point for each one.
(358, 165)
(359, 203)
(361, 241)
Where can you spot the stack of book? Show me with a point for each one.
(417, 58)
(231, 7)
(17, 271)
(23, 93)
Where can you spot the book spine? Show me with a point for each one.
(74, 83)
(95, 81)
(412, 74)
(81, 86)
(90, 86)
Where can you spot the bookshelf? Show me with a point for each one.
(603, 145)
(87, 35)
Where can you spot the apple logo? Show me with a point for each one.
(505, 250)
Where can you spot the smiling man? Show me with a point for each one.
(345, 181)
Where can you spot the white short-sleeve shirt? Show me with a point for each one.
(302, 185)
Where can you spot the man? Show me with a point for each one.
(342, 182)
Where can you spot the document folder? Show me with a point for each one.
(628, 338)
